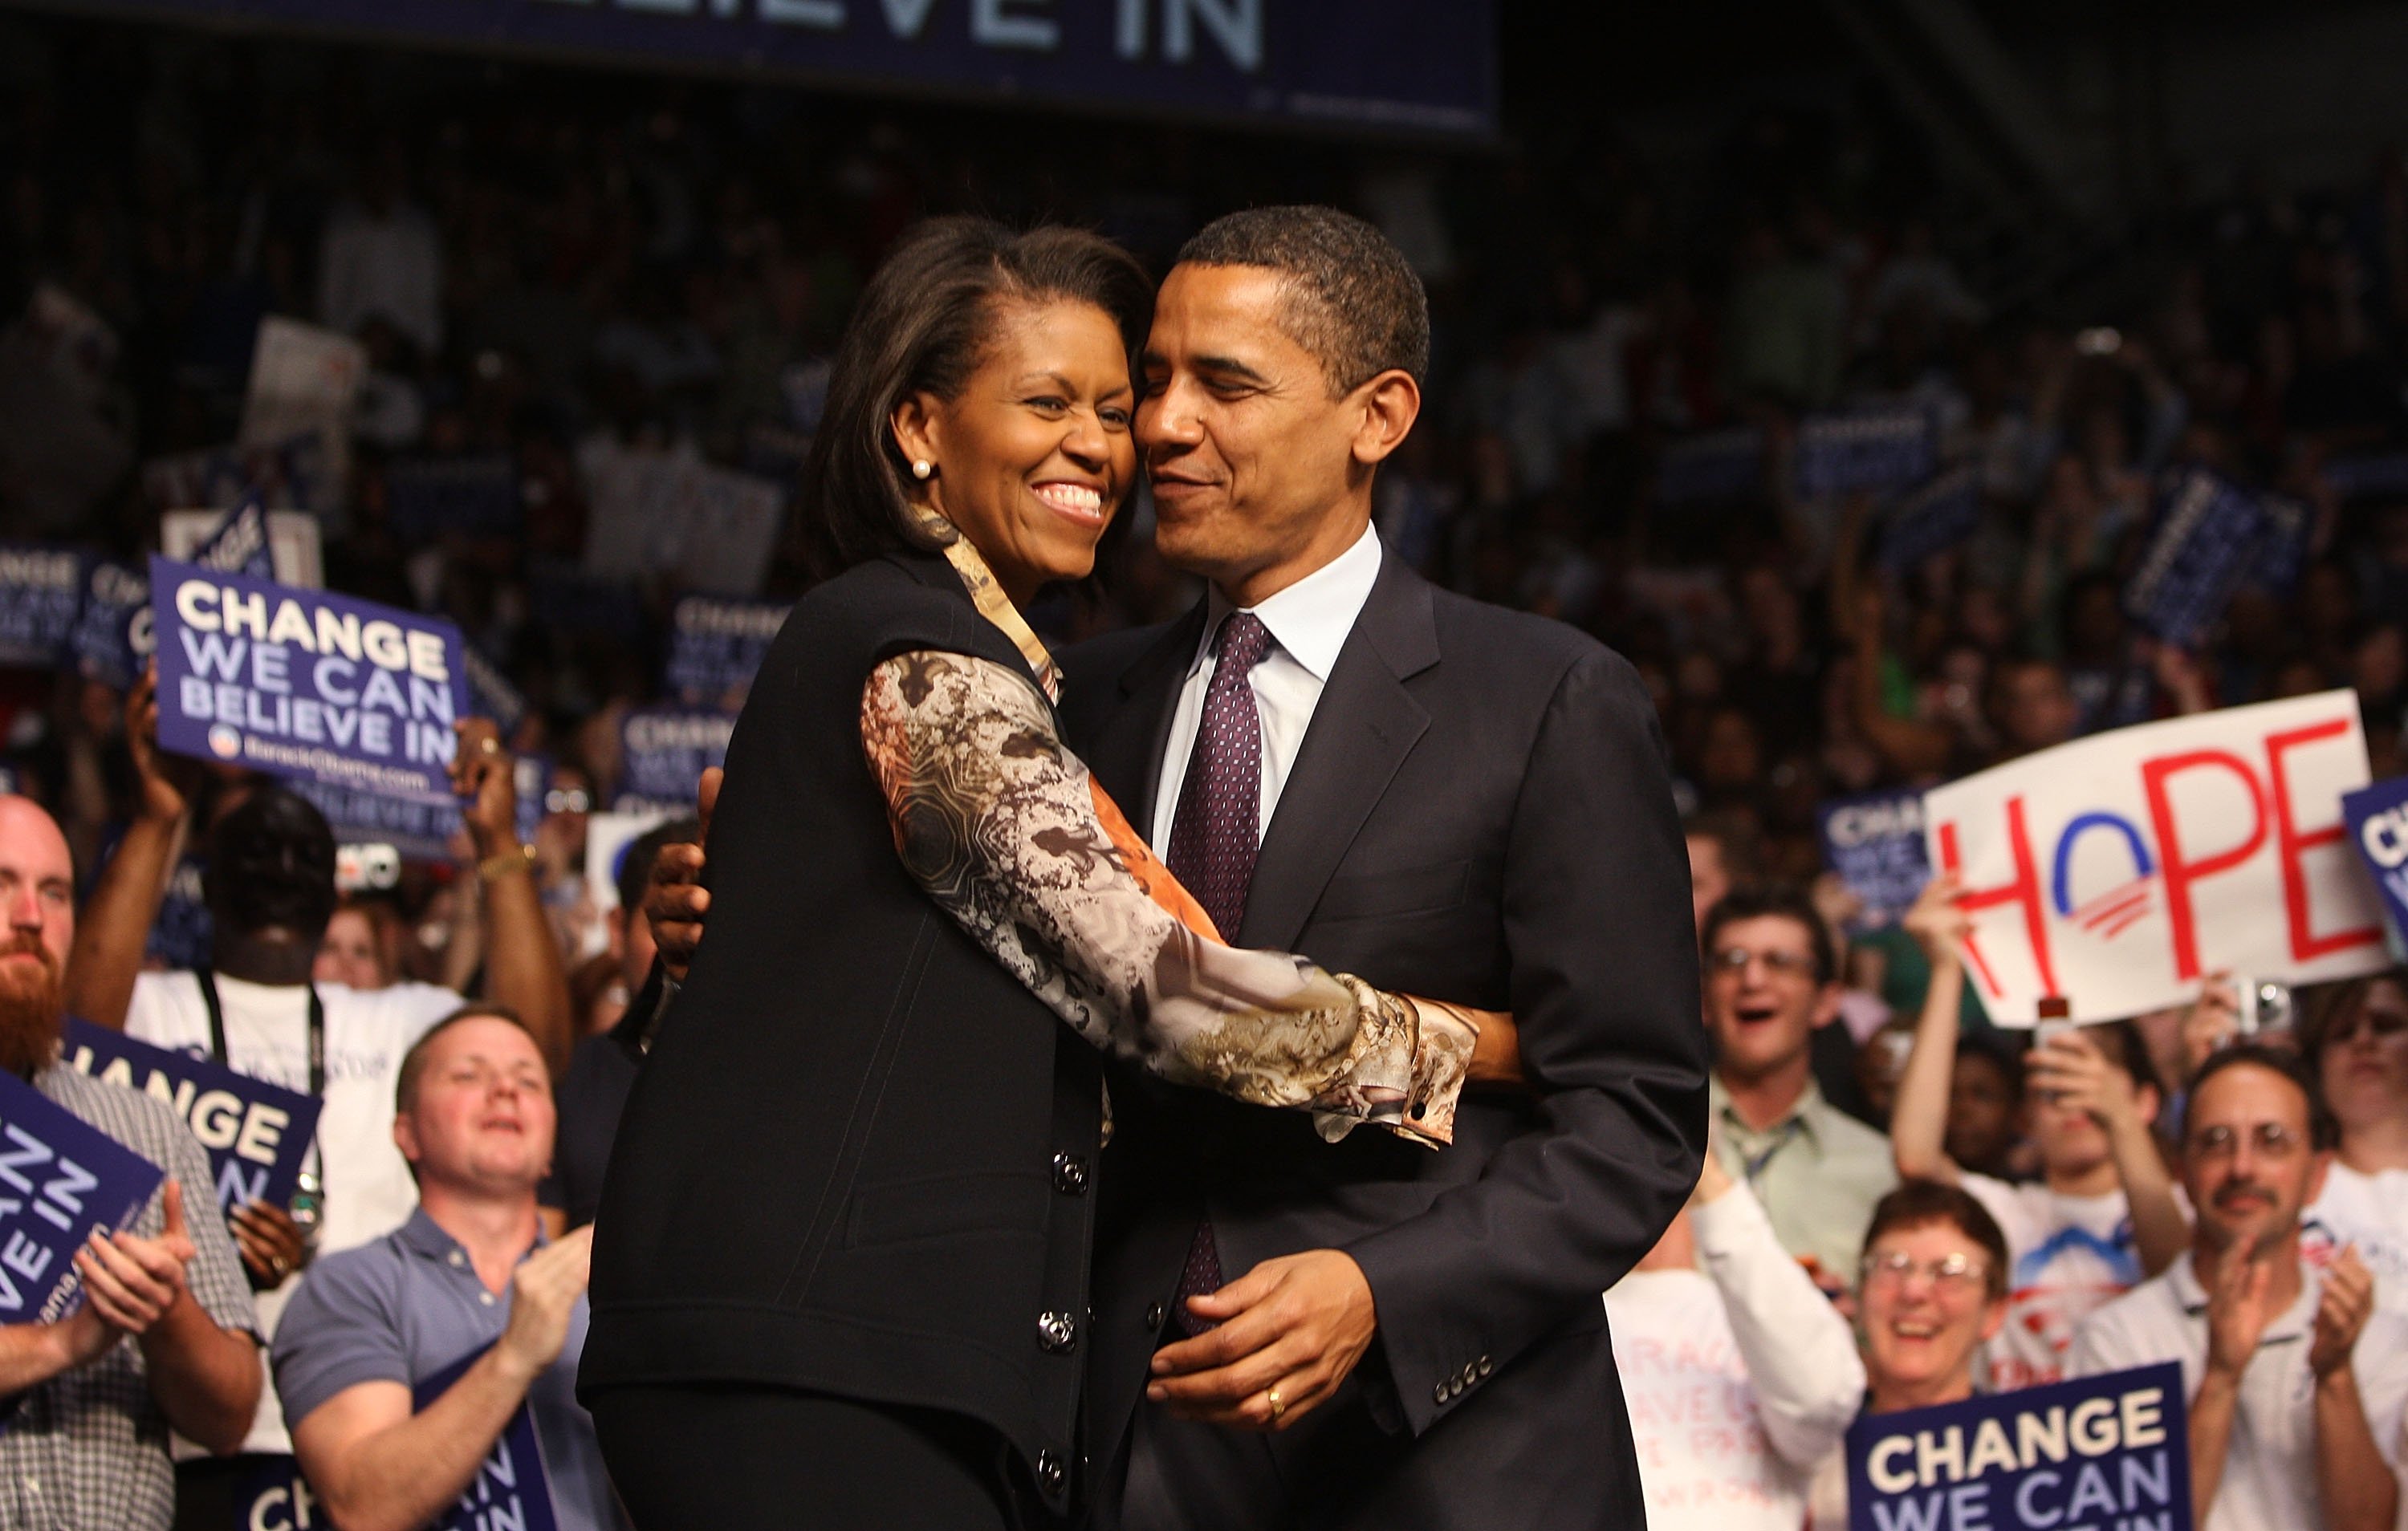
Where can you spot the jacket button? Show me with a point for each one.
(1070, 1174)
(1438, 1394)
(1049, 1471)
(1057, 1333)
(1154, 1314)
(1487, 1366)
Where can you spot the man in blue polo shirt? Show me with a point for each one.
(468, 1278)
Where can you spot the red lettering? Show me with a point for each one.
(2024, 890)
(2305, 943)
(2181, 874)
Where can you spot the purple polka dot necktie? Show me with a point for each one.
(1214, 834)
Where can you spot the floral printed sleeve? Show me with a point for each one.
(1012, 837)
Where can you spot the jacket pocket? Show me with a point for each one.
(940, 1206)
(1414, 890)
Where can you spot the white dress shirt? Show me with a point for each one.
(1307, 623)
(2269, 1467)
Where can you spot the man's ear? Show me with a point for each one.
(1391, 402)
(614, 922)
(1827, 1004)
(405, 1136)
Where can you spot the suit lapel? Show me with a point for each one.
(1363, 727)
(1126, 753)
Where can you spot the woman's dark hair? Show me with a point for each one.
(2335, 1005)
(922, 325)
(1916, 1203)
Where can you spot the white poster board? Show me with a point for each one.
(2117, 870)
(304, 383)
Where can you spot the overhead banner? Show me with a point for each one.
(306, 683)
(1417, 67)
(2097, 1452)
(2118, 869)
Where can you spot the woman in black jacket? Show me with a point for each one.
(840, 1266)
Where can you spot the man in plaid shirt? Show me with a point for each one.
(165, 1335)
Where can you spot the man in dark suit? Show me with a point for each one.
(1451, 800)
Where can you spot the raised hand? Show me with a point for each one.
(1938, 921)
(2341, 1311)
(271, 1244)
(482, 778)
(676, 902)
(168, 782)
(2237, 1312)
(543, 1298)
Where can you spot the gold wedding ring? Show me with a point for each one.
(1278, 1407)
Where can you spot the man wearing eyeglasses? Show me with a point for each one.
(1769, 985)
(2298, 1386)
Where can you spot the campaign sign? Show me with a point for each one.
(2118, 868)
(239, 543)
(664, 750)
(1931, 519)
(492, 692)
(477, 497)
(1874, 841)
(113, 637)
(41, 590)
(2282, 554)
(60, 1179)
(306, 683)
(510, 1488)
(417, 827)
(272, 1496)
(715, 646)
(182, 934)
(2083, 1456)
(2378, 827)
(2208, 532)
(257, 1134)
(1883, 448)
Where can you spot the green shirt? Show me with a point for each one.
(1818, 1171)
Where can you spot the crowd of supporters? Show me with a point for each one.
(1906, 1204)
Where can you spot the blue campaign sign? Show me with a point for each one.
(2096, 1453)
(510, 1488)
(1931, 519)
(41, 590)
(1401, 67)
(240, 545)
(60, 1178)
(1873, 448)
(1874, 841)
(716, 646)
(478, 495)
(663, 750)
(2377, 817)
(272, 1496)
(2208, 532)
(304, 683)
(112, 638)
(257, 1134)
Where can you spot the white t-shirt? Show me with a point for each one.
(2270, 1465)
(368, 1192)
(2069, 1256)
(1739, 1378)
(2372, 1213)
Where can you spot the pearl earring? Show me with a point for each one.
(922, 467)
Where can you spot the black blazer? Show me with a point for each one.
(1480, 812)
(858, 1158)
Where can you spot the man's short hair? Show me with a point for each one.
(1774, 900)
(413, 1063)
(1733, 838)
(1917, 1203)
(2323, 1131)
(1352, 298)
(636, 861)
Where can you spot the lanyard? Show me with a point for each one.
(218, 1035)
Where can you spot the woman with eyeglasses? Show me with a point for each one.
(2356, 1037)
(1932, 1290)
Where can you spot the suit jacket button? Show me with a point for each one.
(1070, 1174)
(1487, 1366)
(1057, 1334)
(1049, 1471)
(1438, 1394)
(1154, 1314)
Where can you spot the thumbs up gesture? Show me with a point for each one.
(130, 1281)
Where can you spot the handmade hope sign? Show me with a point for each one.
(2117, 870)
(306, 683)
(2103, 1451)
